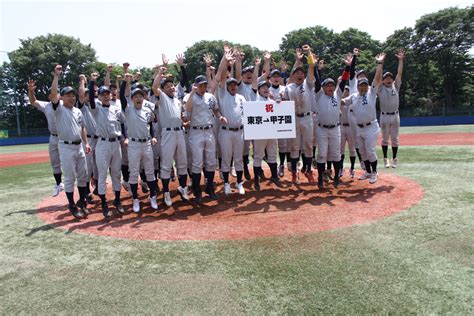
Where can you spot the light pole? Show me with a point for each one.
(15, 97)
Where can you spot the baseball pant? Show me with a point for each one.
(368, 140)
(354, 128)
(90, 160)
(390, 126)
(232, 144)
(283, 145)
(259, 146)
(304, 138)
(347, 137)
(124, 150)
(74, 165)
(108, 155)
(203, 148)
(189, 152)
(54, 156)
(315, 130)
(329, 144)
(140, 154)
(173, 143)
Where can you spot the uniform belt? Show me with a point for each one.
(173, 128)
(390, 113)
(93, 136)
(329, 126)
(303, 115)
(202, 127)
(364, 125)
(68, 142)
(345, 124)
(109, 139)
(233, 129)
(55, 135)
(140, 140)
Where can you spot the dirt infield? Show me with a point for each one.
(270, 212)
(24, 158)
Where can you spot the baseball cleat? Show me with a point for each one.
(262, 175)
(240, 188)
(352, 173)
(145, 188)
(183, 192)
(366, 175)
(136, 205)
(89, 199)
(227, 188)
(276, 182)
(315, 164)
(386, 162)
(233, 172)
(281, 171)
(320, 184)
(105, 211)
(256, 185)
(56, 190)
(309, 176)
(119, 207)
(288, 166)
(299, 165)
(75, 212)
(172, 175)
(167, 198)
(246, 174)
(210, 191)
(336, 182)
(82, 206)
(126, 186)
(362, 165)
(61, 187)
(341, 172)
(295, 177)
(153, 203)
(394, 162)
(373, 177)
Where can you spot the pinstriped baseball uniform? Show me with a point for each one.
(346, 133)
(277, 94)
(389, 116)
(245, 89)
(90, 125)
(259, 145)
(54, 158)
(329, 133)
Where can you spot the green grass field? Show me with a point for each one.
(420, 261)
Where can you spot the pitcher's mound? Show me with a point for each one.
(273, 211)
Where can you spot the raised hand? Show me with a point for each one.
(299, 54)
(348, 59)
(164, 59)
(267, 55)
(194, 88)
(238, 54)
(88, 149)
(208, 59)
(401, 54)
(82, 78)
(226, 48)
(283, 65)
(94, 76)
(118, 77)
(109, 67)
(128, 77)
(31, 85)
(380, 58)
(180, 59)
(321, 64)
(258, 61)
(229, 56)
(58, 70)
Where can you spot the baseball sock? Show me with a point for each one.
(246, 162)
(142, 175)
(321, 167)
(182, 179)
(156, 179)
(88, 188)
(337, 167)
(82, 193)
(288, 157)
(220, 163)
(102, 198)
(134, 189)
(314, 151)
(273, 169)
(395, 151)
(342, 160)
(367, 166)
(210, 178)
(152, 186)
(57, 177)
(226, 176)
(196, 183)
(353, 160)
(239, 176)
(125, 173)
(309, 160)
(282, 158)
(329, 166)
(117, 197)
(294, 162)
(384, 150)
(304, 168)
(70, 198)
(358, 154)
(166, 184)
(374, 166)
(256, 173)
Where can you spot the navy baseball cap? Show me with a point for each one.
(388, 74)
(362, 81)
(136, 91)
(346, 88)
(262, 83)
(247, 69)
(275, 72)
(165, 80)
(232, 80)
(297, 69)
(328, 81)
(67, 90)
(200, 80)
(104, 89)
(360, 72)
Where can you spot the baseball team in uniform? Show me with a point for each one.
(140, 135)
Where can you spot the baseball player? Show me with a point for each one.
(72, 133)
(347, 137)
(328, 102)
(301, 90)
(54, 158)
(139, 139)
(203, 108)
(363, 105)
(172, 134)
(389, 116)
(108, 117)
(231, 135)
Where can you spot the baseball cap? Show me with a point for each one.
(363, 81)
(232, 80)
(103, 89)
(165, 80)
(275, 72)
(247, 69)
(346, 88)
(262, 83)
(200, 80)
(297, 69)
(67, 90)
(360, 72)
(328, 81)
(387, 74)
(137, 90)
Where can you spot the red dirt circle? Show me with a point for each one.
(271, 212)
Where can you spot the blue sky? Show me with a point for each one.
(139, 31)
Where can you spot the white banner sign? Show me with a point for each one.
(269, 120)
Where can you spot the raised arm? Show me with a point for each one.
(107, 75)
(125, 90)
(312, 61)
(378, 73)
(82, 90)
(401, 57)
(239, 56)
(256, 69)
(184, 81)
(299, 59)
(348, 60)
(31, 93)
(156, 83)
(355, 54)
(94, 77)
(267, 57)
(58, 70)
(222, 71)
(210, 72)
(189, 102)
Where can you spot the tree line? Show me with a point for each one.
(438, 65)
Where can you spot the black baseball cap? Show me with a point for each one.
(362, 81)
(262, 83)
(297, 69)
(165, 80)
(247, 69)
(388, 74)
(275, 72)
(200, 80)
(67, 90)
(360, 72)
(104, 89)
(137, 90)
(328, 81)
(232, 80)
